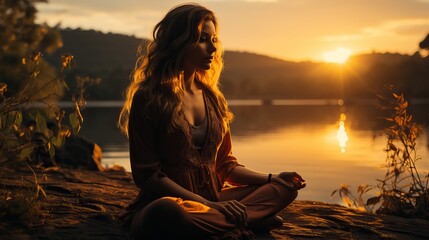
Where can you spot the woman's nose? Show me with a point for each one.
(212, 47)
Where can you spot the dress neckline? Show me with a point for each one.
(196, 126)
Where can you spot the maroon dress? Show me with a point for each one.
(157, 152)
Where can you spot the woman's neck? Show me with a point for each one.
(190, 84)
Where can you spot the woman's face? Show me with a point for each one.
(201, 56)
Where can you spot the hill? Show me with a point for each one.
(95, 51)
(247, 75)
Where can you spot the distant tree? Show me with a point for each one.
(21, 37)
(425, 43)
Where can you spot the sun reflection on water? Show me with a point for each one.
(342, 134)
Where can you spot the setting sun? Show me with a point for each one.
(339, 55)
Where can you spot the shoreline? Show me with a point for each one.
(85, 204)
(249, 102)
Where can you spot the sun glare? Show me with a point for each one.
(339, 55)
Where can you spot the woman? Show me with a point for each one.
(177, 121)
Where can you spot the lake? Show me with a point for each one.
(327, 143)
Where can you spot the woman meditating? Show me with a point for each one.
(177, 121)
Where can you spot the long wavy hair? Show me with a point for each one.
(158, 71)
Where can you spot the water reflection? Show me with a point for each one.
(342, 134)
(271, 138)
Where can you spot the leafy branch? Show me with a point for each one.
(404, 190)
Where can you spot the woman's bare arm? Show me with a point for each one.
(244, 176)
(167, 187)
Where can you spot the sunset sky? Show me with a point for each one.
(296, 30)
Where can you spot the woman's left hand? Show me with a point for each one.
(291, 180)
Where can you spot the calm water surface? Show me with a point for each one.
(307, 139)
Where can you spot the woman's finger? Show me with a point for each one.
(228, 214)
(299, 184)
(298, 176)
(237, 217)
(239, 204)
(241, 214)
(242, 210)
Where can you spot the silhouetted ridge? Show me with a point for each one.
(248, 75)
(94, 50)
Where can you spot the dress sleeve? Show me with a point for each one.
(145, 163)
(225, 161)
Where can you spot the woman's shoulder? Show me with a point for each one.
(144, 101)
(211, 96)
(141, 100)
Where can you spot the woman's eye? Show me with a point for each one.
(207, 38)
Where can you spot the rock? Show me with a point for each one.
(114, 168)
(80, 204)
(83, 204)
(318, 220)
(79, 152)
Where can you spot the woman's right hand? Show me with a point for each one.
(291, 180)
(234, 211)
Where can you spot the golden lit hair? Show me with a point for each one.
(158, 72)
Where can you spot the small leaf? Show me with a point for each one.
(26, 152)
(57, 141)
(74, 122)
(373, 200)
(3, 88)
(392, 146)
(65, 84)
(48, 133)
(51, 151)
(41, 125)
(18, 118)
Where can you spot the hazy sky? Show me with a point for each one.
(289, 29)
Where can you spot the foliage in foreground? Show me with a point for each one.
(404, 190)
(21, 36)
(32, 144)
